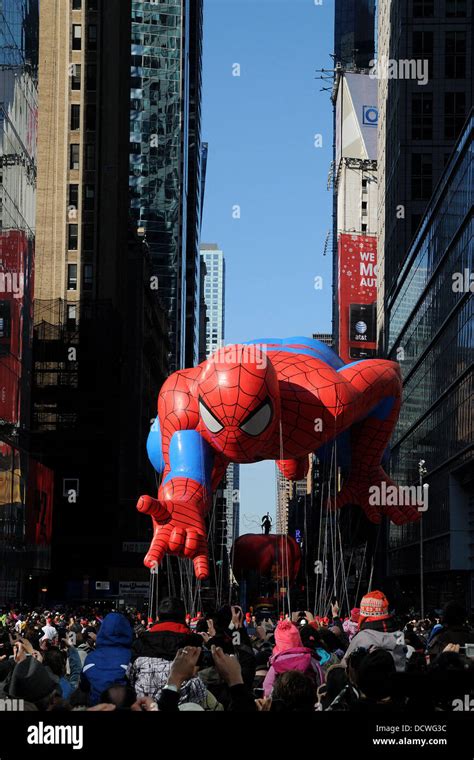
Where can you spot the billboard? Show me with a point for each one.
(357, 293)
(356, 117)
(39, 504)
(16, 286)
(134, 588)
(18, 129)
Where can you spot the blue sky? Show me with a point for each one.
(261, 129)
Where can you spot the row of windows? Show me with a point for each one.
(155, 41)
(76, 76)
(91, 36)
(440, 299)
(455, 201)
(422, 115)
(447, 359)
(87, 237)
(452, 9)
(74, 156)
(421, 176)
(435, 520)
(90, 120)
(91, 5)
(406, 560)
(149, 62)
(455, 48)
(73, 199)
(86, 279)
(140, 16)
(441, 435)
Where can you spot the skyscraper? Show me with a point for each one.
(354, 33)
(431, 322)
(283, 493)
(166, 158)
(19, 548)
(424, 319)
(214, 295)
(232, 501)
(324, 338)
(421, 113)
(100, 340)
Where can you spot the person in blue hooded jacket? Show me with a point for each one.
(108, 663)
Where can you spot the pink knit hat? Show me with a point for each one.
(286, 637)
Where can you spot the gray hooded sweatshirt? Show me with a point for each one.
(393, 642)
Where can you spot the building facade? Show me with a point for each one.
(422, 109)
(214, 296)
(283, 490)
(232, 501)
(431, 334)
(166, 158)
(24, 548)
(100, 347)
(289, 491)
(324, 338)
(354, 33)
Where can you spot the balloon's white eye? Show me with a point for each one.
(212, 424)
(259, 420)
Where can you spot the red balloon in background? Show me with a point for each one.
(264, 554)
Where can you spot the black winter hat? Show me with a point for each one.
(172, 609)
(223, 617)
(32, 681)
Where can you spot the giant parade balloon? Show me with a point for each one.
(278, 399)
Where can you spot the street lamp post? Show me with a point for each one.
(422, 472)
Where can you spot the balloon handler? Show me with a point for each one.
(277, 399)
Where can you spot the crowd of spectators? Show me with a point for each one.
(369, 661)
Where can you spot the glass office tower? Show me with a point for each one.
(354, 33)
(19, 33)
(165, 157)
(432, 336)
(20, 542)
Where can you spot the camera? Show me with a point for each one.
(205, 659)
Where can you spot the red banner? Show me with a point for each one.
(16, 275)
(39, 504)
(357, 296)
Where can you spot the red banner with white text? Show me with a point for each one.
(357, 293)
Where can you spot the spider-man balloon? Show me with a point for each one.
(268, 399)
